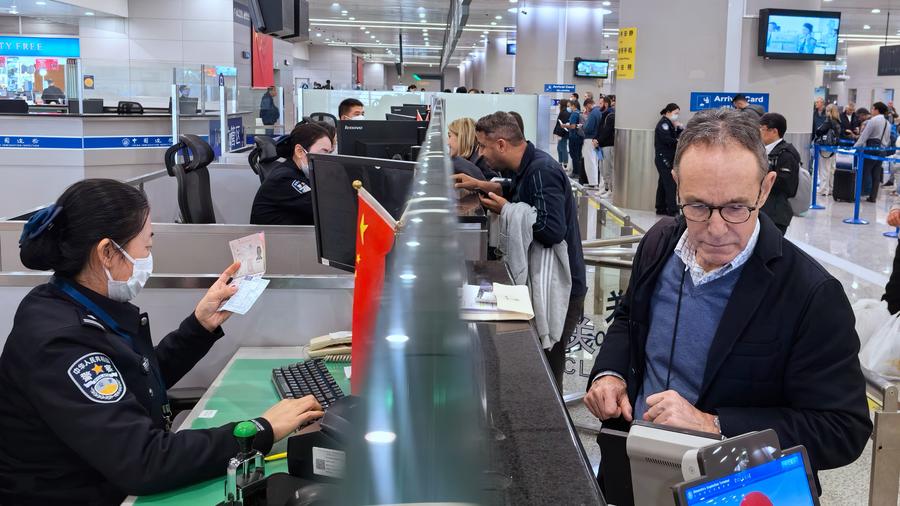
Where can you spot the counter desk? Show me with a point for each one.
(46, 152)
(535, 453)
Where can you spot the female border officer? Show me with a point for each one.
(665, 141)
(83, 412)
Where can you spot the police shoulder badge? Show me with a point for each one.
(665, 126)
(301, 187)
(97, 378)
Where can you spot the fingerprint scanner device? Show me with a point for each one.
(785, 479)
(245, 478)
(661, 457)
(320, 455)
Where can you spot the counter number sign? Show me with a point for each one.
(88, 82)
(625, 59)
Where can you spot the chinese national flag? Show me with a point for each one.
(374, 238)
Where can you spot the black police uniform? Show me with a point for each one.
(665, 142)
(83, 408)
(284, 198)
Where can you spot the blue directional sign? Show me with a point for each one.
(135, 141)
(34, 142)
(559, 88)
(701, 100)
(12, 141)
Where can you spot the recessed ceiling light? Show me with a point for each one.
(498, 17)
(343, 13)
(372, 36)
(368, 32)
(512, 9)
(40, 3)
(605, 35)
(352, 19)
(88, 13)
(866, 27)
(493, 23)
(336, 5)
(421, 14)
(876, 11)
(378, 41)
(607, 4)
(362, 27)
(318, 35)
(485, 32)
(513, 1)
(423, 21)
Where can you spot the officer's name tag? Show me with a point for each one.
(97, 378)
(301, 187)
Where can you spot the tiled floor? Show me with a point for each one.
(857, 255)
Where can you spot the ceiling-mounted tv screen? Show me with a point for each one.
(591, 68)
(788, 34)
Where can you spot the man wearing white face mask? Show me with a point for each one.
(351, 109)
(285, 197)
(84, 415)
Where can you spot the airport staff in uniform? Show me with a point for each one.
(84, 418)
(285, 197)
(666, 140)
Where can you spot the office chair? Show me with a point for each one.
(11, 106)
(192, 176)
(324, 117)
(129, 108)
(264, 157)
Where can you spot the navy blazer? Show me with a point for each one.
(784, 356)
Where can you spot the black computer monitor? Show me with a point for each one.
(398, 117)
(410, 110)
(335, 203)
(389, 140)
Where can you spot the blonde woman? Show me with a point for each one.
(464, 149)
(828, 134)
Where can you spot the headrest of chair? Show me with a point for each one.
(201, 153)
(324, 116)
(266, 148)
(126, 107)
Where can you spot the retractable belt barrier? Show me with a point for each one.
(860, 154)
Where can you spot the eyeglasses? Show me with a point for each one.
(731, 213)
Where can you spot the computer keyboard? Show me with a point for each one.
(307, 378)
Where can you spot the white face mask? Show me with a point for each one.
(124, 291)
(358, 118)
(674, 117)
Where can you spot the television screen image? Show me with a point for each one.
(511, 48)
(591, 68)
(802, 35)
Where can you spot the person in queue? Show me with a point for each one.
(665, 141)
(84, 415)
(784, 161)
(849, 122)
(828, 134)
(461, 141)
(576, 141)
(351, 109)
(463, 129)
(875, 133)
(741, 103)
(540, 182)
(285, 197)
(726, 327)
(562, 145)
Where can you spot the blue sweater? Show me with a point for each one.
(701, 311)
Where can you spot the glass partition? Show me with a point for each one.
(148, 83)
(250, 100)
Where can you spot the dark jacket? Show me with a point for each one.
(606, 135)
(482, 163)
(755, 109)
(784, 160)
(851, 124)
(820, 135)
(52, 93)
(463, 166)
(818, 119)
(284, 198)
(558, 130)
(784, 356)
(73, 433)
(541, 183)
(268, 112)
(666, 139)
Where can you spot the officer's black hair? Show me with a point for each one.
(306, 134)
(775, 121)
(92, 210)
(671, 106)
(348, 104)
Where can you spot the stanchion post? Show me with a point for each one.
(893, 234)
(815, 185)
(855, 220)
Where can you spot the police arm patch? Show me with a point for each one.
(97, 378)
(301, 187)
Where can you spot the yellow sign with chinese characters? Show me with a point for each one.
(625, 60)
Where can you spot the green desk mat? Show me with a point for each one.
(246, 392)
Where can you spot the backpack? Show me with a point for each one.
(801, 201)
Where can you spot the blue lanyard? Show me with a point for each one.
(110, 322)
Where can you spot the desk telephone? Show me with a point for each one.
(333, 347)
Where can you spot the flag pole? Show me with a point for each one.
(357, 184)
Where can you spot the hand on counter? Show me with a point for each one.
(670, 408)
(207, 311)
(893, 218)
(289, 414)
(608, 398)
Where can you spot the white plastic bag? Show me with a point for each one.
(882, 352)
(870, 315)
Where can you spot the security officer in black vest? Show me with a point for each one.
(84, 417)
(665, 141)
(285, 197)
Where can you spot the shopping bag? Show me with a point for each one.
(881, 353)
(870, 315)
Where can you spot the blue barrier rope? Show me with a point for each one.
(860, 155)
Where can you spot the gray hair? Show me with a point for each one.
(723, 127)
(500, 125)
